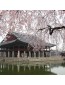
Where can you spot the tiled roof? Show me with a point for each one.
(27, 39)
(5, 43)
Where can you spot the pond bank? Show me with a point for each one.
(29, 59)
(36, 66)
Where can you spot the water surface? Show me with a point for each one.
(32, 69)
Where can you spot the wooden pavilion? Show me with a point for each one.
(17, 45)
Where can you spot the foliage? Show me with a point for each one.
(30, 21)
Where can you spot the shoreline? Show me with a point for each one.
(31, 60)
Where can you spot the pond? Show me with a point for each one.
(34, 68)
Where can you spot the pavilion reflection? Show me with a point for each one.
(25, 68)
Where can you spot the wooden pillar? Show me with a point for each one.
(4, 54)
(13, 54)
(25, 54)
(49, 52)
(22, 54)
(1, 52)
(42, 53)
(34, 54)
(18, 54)
(39, 53)
(8, 54)
(29, 54)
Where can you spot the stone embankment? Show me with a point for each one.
(29, 59)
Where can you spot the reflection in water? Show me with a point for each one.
(8, 66)
(18, 68)
(12, 67)
(24, 68)
(33, 69)
(1, 66)
(29, 67)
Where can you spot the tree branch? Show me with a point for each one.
(51, 30)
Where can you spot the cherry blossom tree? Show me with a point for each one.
(31, 22)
